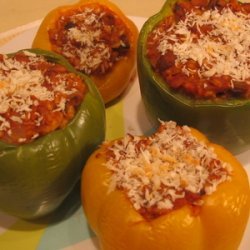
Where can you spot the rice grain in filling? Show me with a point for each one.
(204, 50)
(92, 38)
(36, 97)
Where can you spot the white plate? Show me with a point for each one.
(72, 231)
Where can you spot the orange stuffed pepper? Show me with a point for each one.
(173, 190)
(97, 39)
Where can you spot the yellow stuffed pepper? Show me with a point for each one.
(97, 39)
(173, 190)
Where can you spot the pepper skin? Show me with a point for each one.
(225, 122)
(219, 225)
(113, 83)
(36, 177)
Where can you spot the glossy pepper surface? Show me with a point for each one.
(219, 224)
(225, 122)
(36, 177)
(114, 82)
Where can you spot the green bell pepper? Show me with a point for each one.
(225, 122)
(36, 177)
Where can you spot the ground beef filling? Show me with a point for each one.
(166, 171)
(203, 49)
(91, 37)
(36, 97)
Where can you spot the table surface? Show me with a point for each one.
(14, 13)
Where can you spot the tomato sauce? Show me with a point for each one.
(202, 49)
(37, 97)
(91, 37)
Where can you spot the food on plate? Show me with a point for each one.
(193, 68)
(97, 39)
(172, 190)
(51, 118)
(37, 97)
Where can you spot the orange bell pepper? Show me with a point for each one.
(115, 81)
(218, 225)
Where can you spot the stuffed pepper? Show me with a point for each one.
(51, 119)
(171, 190)
(97, 39)
(193, 67)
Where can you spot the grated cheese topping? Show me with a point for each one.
(224, 50)
(91, 38)
(158, 171)
(26, 91)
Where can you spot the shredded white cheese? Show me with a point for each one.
(158, 170)
(93, 50)
(22, 87)
(225, 50)
(92, 38)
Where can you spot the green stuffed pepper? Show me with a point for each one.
(38, 172)
(204, 84)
